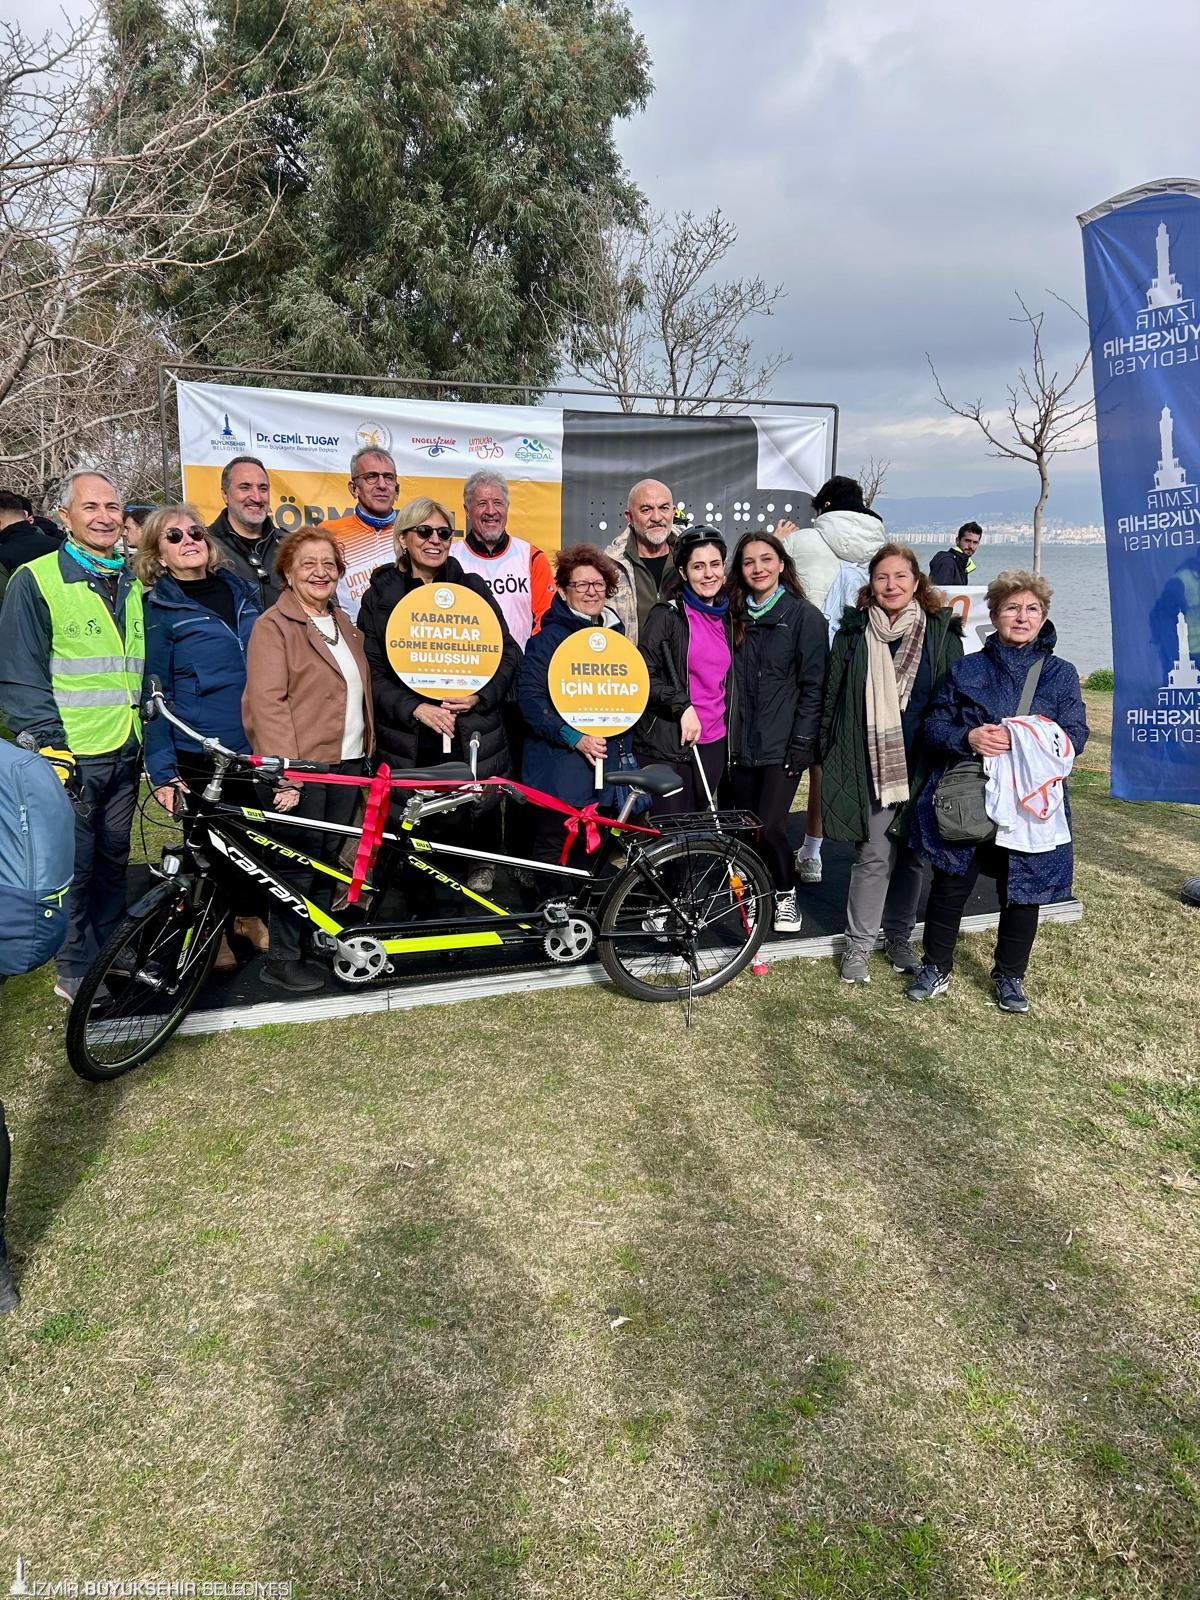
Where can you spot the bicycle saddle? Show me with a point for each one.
(659, 780)
(447, 772)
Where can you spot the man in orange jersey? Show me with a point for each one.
(366, 534)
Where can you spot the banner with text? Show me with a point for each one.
(1142, 265)
(569, 472)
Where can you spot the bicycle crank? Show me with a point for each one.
(361, 959)
(570, 940)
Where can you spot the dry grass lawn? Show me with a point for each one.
(553, 1299)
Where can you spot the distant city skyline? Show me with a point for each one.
(901, 171)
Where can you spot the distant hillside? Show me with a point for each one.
(1073, 504)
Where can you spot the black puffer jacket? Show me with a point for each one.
(779, 686)
(664, 643)
(396, 729)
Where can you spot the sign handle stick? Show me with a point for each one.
(599, 773)
(445, 744)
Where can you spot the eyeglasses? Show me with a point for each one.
(178, 535)
(589, 586)
(1021, 611)
(312, 569)
(423, 530)
(377, 477)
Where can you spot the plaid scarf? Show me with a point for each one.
(889, 684)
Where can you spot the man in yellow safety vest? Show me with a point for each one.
(72, 651)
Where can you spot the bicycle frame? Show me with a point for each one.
(218, 835)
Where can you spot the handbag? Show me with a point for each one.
(959, 799)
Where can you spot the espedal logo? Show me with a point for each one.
(534, 450)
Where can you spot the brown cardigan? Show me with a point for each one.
(294, 702)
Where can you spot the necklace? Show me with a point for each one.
(332, 640)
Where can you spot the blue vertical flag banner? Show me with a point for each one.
(1141, 254)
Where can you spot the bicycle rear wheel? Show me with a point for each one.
(144, 982)
(691, 923)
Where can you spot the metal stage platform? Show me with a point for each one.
(240, 1000)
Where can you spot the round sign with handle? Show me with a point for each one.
(599, 684)
(444, 641)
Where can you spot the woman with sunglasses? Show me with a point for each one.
(410, 728)
(198, 619)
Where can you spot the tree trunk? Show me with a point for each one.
(1044, 476)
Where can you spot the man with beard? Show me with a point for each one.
(517, 572)
(244, 531)
(643, 553)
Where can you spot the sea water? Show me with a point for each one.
(1078, 574)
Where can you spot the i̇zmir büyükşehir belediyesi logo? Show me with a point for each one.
(1172, 515)
(1166, 333)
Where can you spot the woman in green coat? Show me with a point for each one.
(889, 655)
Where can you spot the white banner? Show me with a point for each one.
(296, 431)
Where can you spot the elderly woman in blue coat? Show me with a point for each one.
(198, 622)
(558, 759)
(966, 718)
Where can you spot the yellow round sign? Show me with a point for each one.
(444, 641)
(599, 682)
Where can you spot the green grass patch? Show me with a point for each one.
(827, 1296)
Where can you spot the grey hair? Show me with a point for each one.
(371, 450)
(66, 489)
(476, 482)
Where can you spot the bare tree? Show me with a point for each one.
(872, 476)
(646, 315)
(99, 199)
(1041, 418)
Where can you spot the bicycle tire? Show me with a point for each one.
(725, 890)
(143, 983)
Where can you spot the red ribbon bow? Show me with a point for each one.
(591, 832)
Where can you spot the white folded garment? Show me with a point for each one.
(1025, 796)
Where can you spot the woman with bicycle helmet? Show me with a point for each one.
(688, 645)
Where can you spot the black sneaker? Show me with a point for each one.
(929, 982)
(293, 976)
(1010, 992)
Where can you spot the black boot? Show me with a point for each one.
(9, 1298)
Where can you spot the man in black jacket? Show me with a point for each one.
(21, 539)
(245, 531)
(955, 565)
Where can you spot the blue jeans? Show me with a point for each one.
(103, 823)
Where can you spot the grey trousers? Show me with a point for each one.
(885, 886)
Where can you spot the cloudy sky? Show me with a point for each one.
(901, 169)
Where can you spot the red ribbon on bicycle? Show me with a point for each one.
(384, 781)
(591, 831)
(374, 821)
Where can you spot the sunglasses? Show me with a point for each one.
(178, 535)
(426, 532)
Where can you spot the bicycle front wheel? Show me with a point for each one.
(686, 919)
(144, 982)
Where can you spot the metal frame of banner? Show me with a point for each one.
(173, 369)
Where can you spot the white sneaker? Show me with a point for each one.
(482, 881)
(787, 917)
(808, 868)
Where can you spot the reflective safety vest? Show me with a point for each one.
(97, 691)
